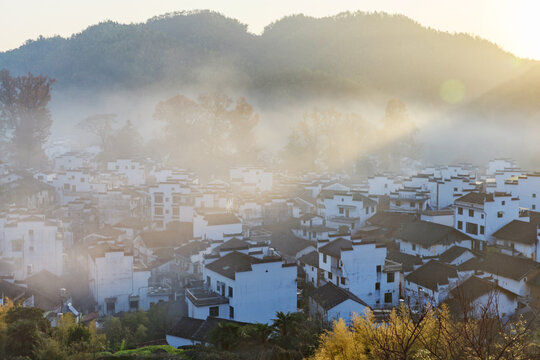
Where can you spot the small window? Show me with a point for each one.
(388, 298)
(367, 210)
(324, 258)
(482, 229)
(341, 210)
(377, 286)
(230, 291)
(411, 204)
(159, 211)
(534, 195)
(342, 281)
(471, 213)
(31, 232)
(398, 203)
(231, 312)
(460, 225)
(482, 216)
(413, 247)
(214, 311)
(379, 268)
(208, 281)
(329, 276)
(390, 277)
(534, 207)
(471, 228)
(500, 214)
(111, 307)
(503, 203)
(460, 211)
(133, 305)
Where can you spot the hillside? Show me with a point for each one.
(355, 56)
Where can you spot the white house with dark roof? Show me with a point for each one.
(310, 264)
(169, 202)
(313, 227)
(481, 296)
(133, 171)
(362, 268)
(330, 302)
(526, 188)
(409, 199)
(32, 242)
(456, 255)
(428, 239)
(430, 283)
(379, 185)
(217, 226)
(519, 238)
(479, 215)
(244, 288)
(345, 209)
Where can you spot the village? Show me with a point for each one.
(100, 241)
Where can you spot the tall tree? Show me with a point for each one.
(100, 125)
(24, 116)
(210, 133)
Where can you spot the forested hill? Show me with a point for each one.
(358, 55)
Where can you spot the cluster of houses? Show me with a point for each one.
(101, 239)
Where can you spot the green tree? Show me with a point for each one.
(24, 117)
(114, 332)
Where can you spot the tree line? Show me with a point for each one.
(210, 133)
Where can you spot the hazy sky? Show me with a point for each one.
(513, 24)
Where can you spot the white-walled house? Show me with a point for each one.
(251, 179)
(313, 227)
(479, 215)
(361, 268)
(496, 165)
(345, 209)
(527, 189)
(134, 171)
(428, 239)
(409, 199)
(216, 226)
(69, 161)
(430, 283)
(443, 217)
(168, 204)
(379, 185)
(33, 243)
(482, 296)
(118, 283)
(244, 288)
(519, 237)
(330, 302)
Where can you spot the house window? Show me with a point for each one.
(534, 195)
(411, 204)
(16, 245)
(398, 203)
(158, 211)
(460, 225)
(482, 229)
(503, 202)
(304, 232)
(342, 281)
(534, 207)
(413, 247)
(324, 258)
(214, 311)
(500, 214)
(341, 210)
(231, 312)
(111, 307)
(208, 281)
(390, 277)
(388, 298)
(460, 211)
(31, 232)
(329, 276)
(133, 305)
(230, 292)
(482, 216)
(379, 268)
(471, 213)
(367, 211)
(472, 228)
(158, 199)
(175, 211)
(377, 286)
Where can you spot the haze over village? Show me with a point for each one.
(182, 188)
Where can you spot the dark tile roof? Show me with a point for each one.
(512, 267)
(335, 247)
(431, 274)
(309, 217)
(330, 295)
(233, 244)
(221, 219)
(232, 263)
(311, 259)
(427, 233)
(518, 231)
(453, 253)
(407, 261)
(391, 220)
(287, 244)
(476, 198)
(166, 238)
(192, 248)
(474, 287)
